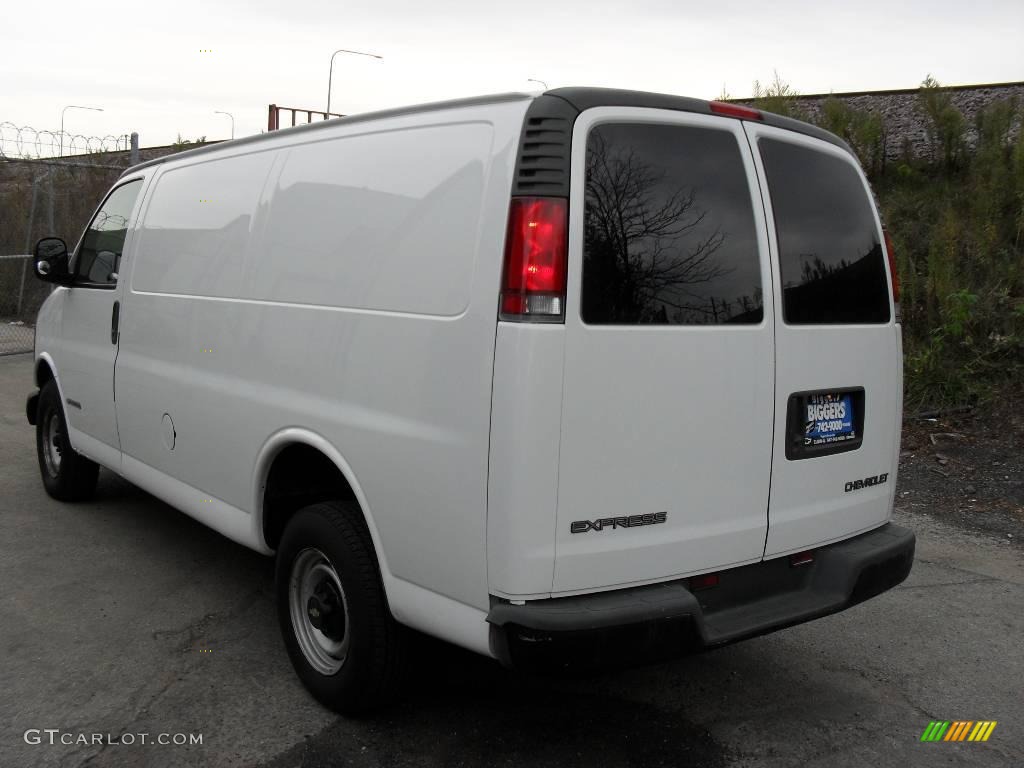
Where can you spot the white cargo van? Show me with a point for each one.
(584, 376)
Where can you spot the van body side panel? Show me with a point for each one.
(185, 338)
(229, 521)
(818, 499)
(360, 307)
(523, 478)
(667, 409)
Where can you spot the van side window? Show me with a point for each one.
(830, 255)
(99, 256)
(669, 236)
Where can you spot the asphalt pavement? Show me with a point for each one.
(121, 617)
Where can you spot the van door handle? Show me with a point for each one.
(115, 318)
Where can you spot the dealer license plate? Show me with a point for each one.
(828, 419)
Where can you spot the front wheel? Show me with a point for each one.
(345, 646)
(67, 475)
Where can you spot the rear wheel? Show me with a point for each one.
(67, 475)
(345, 646)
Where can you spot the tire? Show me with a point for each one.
(67, 475)
(345, 646)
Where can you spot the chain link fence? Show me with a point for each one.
(17, 333)
(46, 190)
(41, 197)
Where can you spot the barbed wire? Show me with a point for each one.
(27, 143)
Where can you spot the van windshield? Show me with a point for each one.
(830, 255)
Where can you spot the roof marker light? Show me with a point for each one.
(735, 110)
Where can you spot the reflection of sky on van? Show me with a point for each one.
(418, 166)
(352, 222)
(387, 199)
(190, 247)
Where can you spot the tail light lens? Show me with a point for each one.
(705, 581)
(892, 267)
(801, 558)
(536, 252)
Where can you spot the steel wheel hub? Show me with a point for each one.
(53, 447)
(319, 611)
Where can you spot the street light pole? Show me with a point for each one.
(534, 80)
(71, 106)
(330, 73)
(218, 112)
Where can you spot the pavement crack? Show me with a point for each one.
(140, 709)
(198, 627)
(985, 580)
(958, 569)
(191, 632)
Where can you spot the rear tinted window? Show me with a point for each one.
(830, 257)
(669, 232)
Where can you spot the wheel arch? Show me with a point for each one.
(266, 528)
(46, 371)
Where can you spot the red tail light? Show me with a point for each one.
(735, 110)
(536, 251)
(801, 558)
(705, 581)
(892, 267)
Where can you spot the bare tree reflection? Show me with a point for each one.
(649, 246)
(813, 267)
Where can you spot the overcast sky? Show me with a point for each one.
(141, 62)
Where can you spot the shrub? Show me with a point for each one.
(945, 123)
(864, 131)
(778, 97)
(956, 221)
(956, 217)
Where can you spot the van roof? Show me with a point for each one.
(566, 103)
(586, 98)
(543, 162)
(348, 119)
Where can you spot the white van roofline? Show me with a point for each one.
(472, 101)
(566, 103)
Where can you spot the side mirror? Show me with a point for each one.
(51, 261)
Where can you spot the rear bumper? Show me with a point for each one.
(664, 620)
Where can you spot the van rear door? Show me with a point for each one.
(837, 345)
(667, 407)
